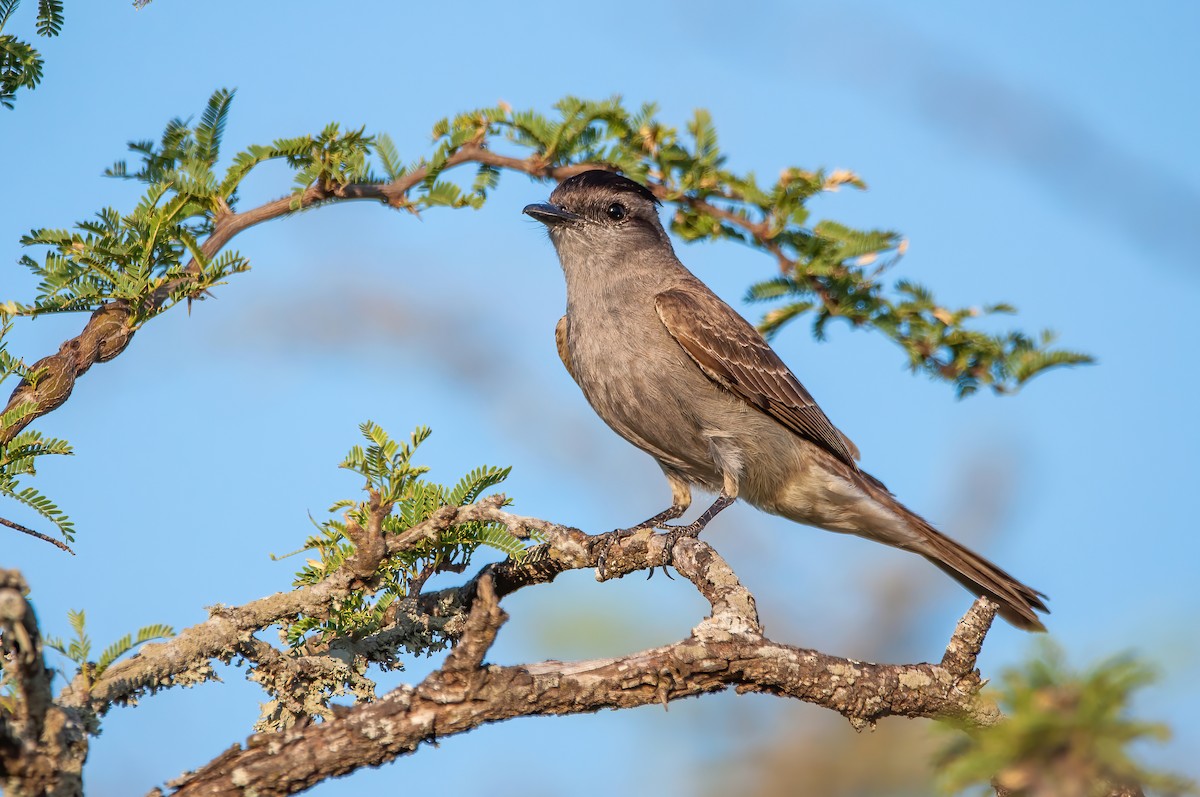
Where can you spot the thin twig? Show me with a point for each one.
(38, 534)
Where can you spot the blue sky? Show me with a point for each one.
(1037, 154)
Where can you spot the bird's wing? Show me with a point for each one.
(732, 353)
(560, 340)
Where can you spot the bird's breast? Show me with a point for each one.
(644, 386)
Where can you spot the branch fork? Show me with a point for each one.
(725, 649)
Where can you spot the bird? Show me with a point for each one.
(682, 376)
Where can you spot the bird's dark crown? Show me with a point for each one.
(599, 180)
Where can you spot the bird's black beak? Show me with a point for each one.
(550, 215)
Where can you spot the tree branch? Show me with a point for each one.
(466, 693)
(45, 538)
(726, 649)
(42, 745)
(110, 329)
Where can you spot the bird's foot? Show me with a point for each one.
(672, 535)
(676, 533)
(616, 535)
(658, 521)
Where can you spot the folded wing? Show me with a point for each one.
(734, 355)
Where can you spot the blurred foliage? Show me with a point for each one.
(394, 481)
(1067, 733)
(796, 750)
(20, 64)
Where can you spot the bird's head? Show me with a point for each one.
(599, 212)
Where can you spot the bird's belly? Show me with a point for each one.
(642, 393)
(658, 399)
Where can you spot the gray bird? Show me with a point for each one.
(678, 373)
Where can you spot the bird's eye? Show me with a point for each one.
(616, 211)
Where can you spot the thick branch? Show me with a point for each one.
(42, 745)
(186, 658)
(725, 649)
(447, 703)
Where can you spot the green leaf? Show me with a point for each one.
(212, 125)
(393, 167)
(6, 9)
(49, 17)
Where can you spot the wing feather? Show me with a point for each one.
(732, 353)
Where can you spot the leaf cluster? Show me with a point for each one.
(18, 455)
(162, 251)
(829, 270)
(326, 161)
(139, 258)
(392, 479)
(21, 64)
(79, 648)
(153, 257)
(936, 339)
(1067, 733)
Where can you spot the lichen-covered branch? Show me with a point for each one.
(725, 650)
(43, 739)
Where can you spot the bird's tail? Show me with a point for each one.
(1017, 601)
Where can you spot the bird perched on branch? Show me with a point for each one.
(678, 373)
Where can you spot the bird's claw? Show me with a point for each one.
(673, 535)
(666, 572)
(617, 536)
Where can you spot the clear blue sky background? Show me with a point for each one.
(1042, 154)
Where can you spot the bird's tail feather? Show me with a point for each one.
(1018, 602)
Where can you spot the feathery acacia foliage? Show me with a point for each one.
(18, 454)
(139, 258)
(828, 269)
(169, 247)
(20, 64)
(394, 481)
